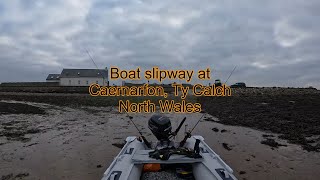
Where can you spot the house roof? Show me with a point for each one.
(74, 73)
(53, 77)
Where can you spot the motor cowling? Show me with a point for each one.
(160, 126)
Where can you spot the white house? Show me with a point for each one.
(53, 78)
(83, 77)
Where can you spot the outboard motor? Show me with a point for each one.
(160, 127)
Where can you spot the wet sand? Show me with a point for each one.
(293, 113)
(79, 143)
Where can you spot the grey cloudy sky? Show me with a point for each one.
(272, 43)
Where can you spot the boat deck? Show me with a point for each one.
(142, 157)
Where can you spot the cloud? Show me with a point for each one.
(272, 42)
(287, 35)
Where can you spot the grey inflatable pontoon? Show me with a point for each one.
(191, 158)
(128, 165)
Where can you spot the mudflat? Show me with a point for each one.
(293, 113)
(71, 136)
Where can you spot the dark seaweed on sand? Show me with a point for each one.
(294, 113)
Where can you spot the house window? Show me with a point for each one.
(79, 82)
(69, 82)
(87, 82)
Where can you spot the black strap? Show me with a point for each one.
(196, 146)
(164, 154)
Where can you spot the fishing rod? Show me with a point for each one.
(130, 117)
(173, 134)
(197, 123)
(180, 125)
(96, 65)
(91, 58)
(230, 74)
(143, 138)
(188, 134)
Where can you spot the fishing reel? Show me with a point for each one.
(188, 135)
